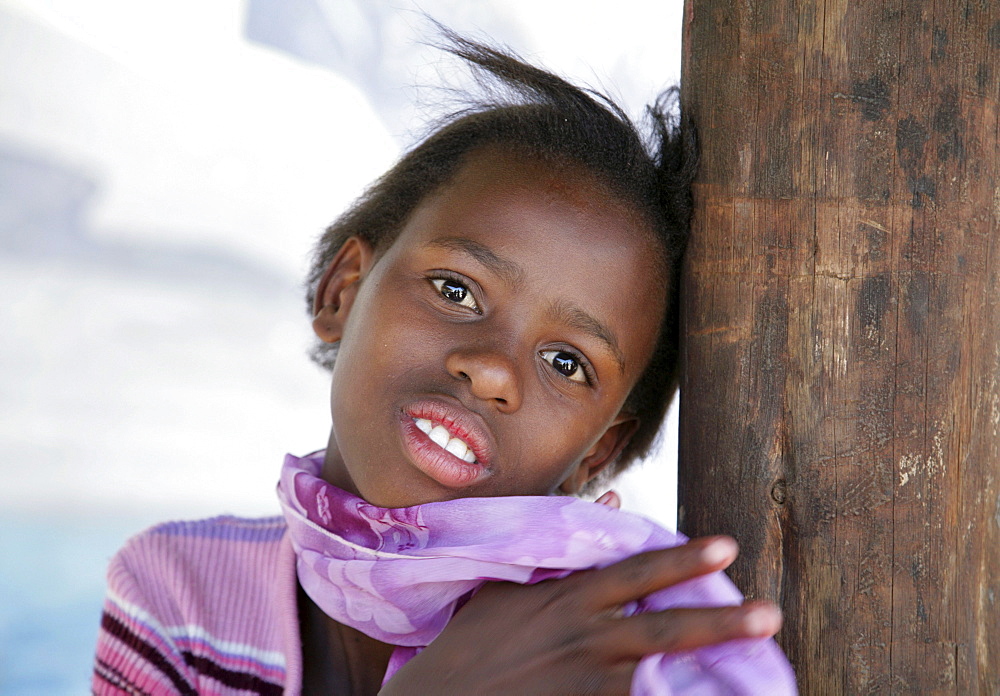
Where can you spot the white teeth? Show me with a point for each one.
(439, 435)
(423, 424)
(457, 447)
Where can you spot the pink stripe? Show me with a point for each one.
(142, 629)
(198, 646)
(136, 670)
(201, 647)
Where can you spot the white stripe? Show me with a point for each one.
(270, 658)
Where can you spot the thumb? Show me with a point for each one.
(611, 499)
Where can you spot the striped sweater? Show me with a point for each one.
(205, 607)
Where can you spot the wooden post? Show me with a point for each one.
(840, 395)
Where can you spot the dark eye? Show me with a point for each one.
(454, 291)
(565, 364)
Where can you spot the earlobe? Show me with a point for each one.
(339, 286)
(604, 452)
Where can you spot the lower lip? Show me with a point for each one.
(438, 463)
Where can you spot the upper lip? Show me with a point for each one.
(460, 422)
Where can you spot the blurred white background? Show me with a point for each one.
(164, 170)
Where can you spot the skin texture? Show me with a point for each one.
(565, 637)
(551, 265)
(476, 316)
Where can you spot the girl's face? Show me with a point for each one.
(490, 349)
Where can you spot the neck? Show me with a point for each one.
(338, 659)
(334, 470)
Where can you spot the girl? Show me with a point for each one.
(499, 316)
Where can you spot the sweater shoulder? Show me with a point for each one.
(223, 528)
(171, 557)
(213, 598)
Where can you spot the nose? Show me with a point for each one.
(491, 374)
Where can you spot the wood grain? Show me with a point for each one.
(840, 408)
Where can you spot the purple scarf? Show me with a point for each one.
(398, 574)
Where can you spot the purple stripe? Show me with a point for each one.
(229, 528)
(242, 681)
(147, 652)
(110, 675)
(205, 647)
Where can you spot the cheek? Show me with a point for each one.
(555, 443)
(390, 336)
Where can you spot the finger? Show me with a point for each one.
(611, 499)
(677, 630)
(610, 680)
(648, 572)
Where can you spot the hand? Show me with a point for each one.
(611, 499)
(567, 636)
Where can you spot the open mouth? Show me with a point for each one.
(446, 442)
(444, 439)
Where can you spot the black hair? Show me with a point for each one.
(544, 116)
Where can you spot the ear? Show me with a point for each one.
(339, 286)
(604, 452)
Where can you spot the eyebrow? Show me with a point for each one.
(578, 319)
(507, 270)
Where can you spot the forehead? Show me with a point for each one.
(570, 242)
(491, 175)
(510, 197)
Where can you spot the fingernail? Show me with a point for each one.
(720, 550)
(610, 499)
(763, 620)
